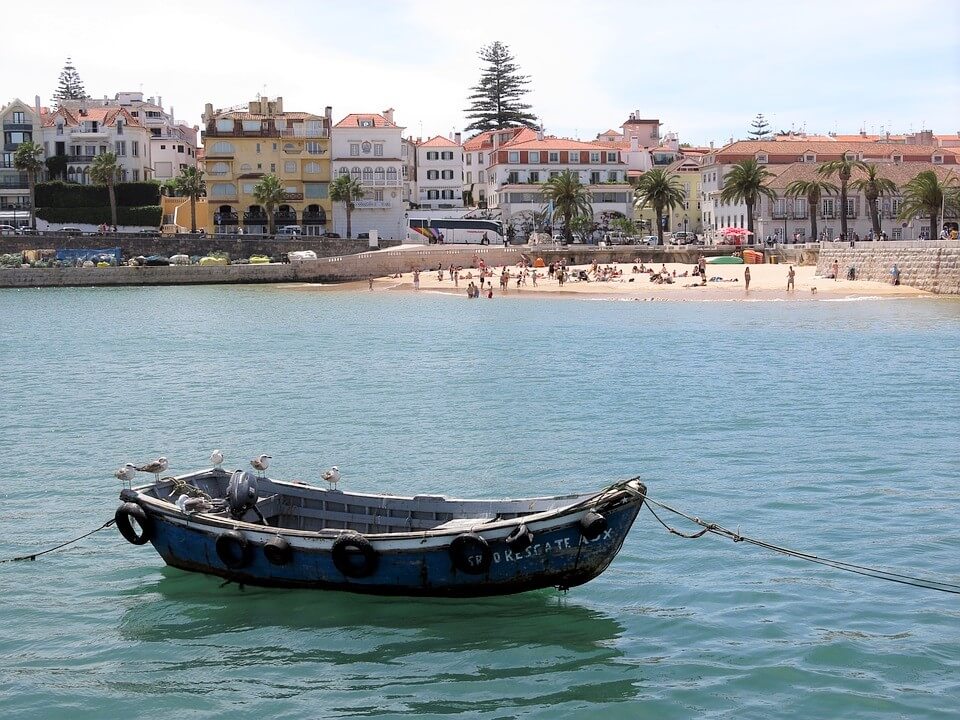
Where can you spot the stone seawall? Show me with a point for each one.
(931, 268)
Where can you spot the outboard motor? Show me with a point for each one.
(242, 494)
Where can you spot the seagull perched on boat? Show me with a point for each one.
(126, 473)
(216, 457)
(156, 467)
(261, 463)
(332, 476)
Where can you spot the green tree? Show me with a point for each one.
(190, 183)
(104, 171)
(269, 193)
(496, 101)
(583, 224)
(746, 182)
(873, 185)
(843, 169)
(570, 199)
(624, 225)
(759, 128)
(926, 194)
(346, 189)
(663, 191)
(812, 190)
(57, 167)
(70, 85)
(29, 159)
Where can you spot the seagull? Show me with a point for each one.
(156, 467)
(216, 457)
(332, 476)
(126, 473)
(261, 463)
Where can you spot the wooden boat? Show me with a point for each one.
(268, 532)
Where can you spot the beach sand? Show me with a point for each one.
(767, 282)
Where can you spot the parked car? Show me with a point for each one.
(332, 235)
(683, 238)
(615, 238)
(70, 230)
(648, 240)
(8, 230)
(149, 232)
(289, 231)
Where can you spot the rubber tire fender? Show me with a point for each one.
(233, 549)
(278, 551)
(471, 554)
(122, 518)
(592, 525)
(520, 539)
(341, 555)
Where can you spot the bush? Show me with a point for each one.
(70, 195)
(148, 215)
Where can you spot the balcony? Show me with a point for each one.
(220, 218)
(779, 214)
(17, 127)
(298, 132)
(250, 218)
(314, 218)
(14, 183)
(282, 217)
(80, 158)
(370, 204)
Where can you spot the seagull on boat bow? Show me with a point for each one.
(156, 467)
(332, 476)
(126, 473)
(216, 457)
(261, 463)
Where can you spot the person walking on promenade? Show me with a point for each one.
(791, 274)
(746, 279)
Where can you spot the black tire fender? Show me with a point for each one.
(592, 525)
(471, 554)
(345, 551)
(233, 549)
(278, 551)
(122, 517)
(520, 539)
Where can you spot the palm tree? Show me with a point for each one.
(843, 169)
(346, 189)
(873, 185)
(570, 199)
(746, 182)
(812, 190)
(29, 159)
(927, 194)
(269, 192)
(190, 183)
(103, 171)
(663, 191)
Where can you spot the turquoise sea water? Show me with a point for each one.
(828, 426)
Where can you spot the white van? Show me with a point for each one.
(289, 231)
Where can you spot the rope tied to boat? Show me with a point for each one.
(34, 556)
(736, 536)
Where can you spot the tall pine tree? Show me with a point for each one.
(71, 86)
(496, 100)
(759, 128)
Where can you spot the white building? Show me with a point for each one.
(368, 146)
(173, 145)
(21, 123)
(82, 133)
(439, 173)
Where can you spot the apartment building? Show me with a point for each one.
(439, 173)
(368, 147)
(21, 123)
(243, 144)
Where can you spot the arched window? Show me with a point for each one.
(220, 168)
(289, 147)
(245, 167)
(392, 174)
(344, 171)
(367, 174)
(223, 190)
(311, 167)
(222, 147)
(355, 172)
(378, 174)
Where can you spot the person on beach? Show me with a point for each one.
(561, 275)
(416, 279)
(746, 279)
(836, 270)
(702, 267)
(489, 292)
(791, 274)
(895, 275)
(370, 281)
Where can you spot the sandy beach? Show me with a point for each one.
(725, 282)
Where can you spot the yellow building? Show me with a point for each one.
(686, 218)
(244, 144)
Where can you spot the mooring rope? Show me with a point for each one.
(736, 536)
(34, 556)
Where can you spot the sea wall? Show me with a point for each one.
(925, 266)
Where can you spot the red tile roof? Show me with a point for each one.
(438, 141)
(555, 143)
(353, 121)
(103, 115)
(790, 152)
(484, 140)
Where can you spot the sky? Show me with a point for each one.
(703, 68)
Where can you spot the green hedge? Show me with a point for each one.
(148, 215)
(70, 195)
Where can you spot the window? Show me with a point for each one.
(245, 167)
(59, 128)
(432, 155)
(121, 148)
(433, 194)
(594, 157)
(534, 176)
(290, 166)
(18, 118)
(553, 157)
(311, 167)
(513, 177)
(404, 172)
(574, 157)
(800, 207)
(378, 175)
(898, 233)
(273, 167)
(313, 148)
(219, 169)
(315, 191)
(851, 207)
(611, 157)
(224, 125)
(221, 148)
(898, 159)
(136, 175)
(378, 149)
(469, 159)
(895, 205)
(533, 157)
(446, 155)
(354, 149)
(258, 148)
(355, 172)
(378, 195)
(826, 207)
(392, 175)
(554, 173)
(250, 125)
(248, 188)
(446, 194)
(480, 177)
(850, 156)
(180, 149)
(479, 158)
(343, 171)
(937, 160)
(469, 178)
(612, 176)
(809, 158)
(119, 127)
(274, 147)
(513, 156)
(91, 150)
(762, 159)
(447, 174)
(135, 148)
(368, 174)
(221, 190)
(595, 178)
(163, 147)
